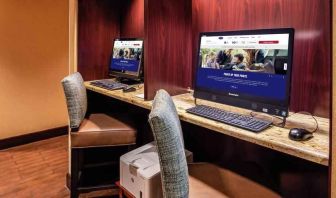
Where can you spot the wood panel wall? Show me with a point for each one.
(98, 25)
(171, 28)
(312, 52)
(132, 19)
(167, 46)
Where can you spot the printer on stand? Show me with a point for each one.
(140, 171)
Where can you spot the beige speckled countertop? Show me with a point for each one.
(276, 138)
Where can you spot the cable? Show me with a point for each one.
(283, 123)
(307, 113)
(139, 86)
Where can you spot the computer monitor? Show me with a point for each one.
(126, 58)
(249, 69)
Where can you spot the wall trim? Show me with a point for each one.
(33, 137)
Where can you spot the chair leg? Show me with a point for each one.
(74, 173)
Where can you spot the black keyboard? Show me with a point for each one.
(242, 121)
(108, 84)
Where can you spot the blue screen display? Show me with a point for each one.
(126, 57)
(245, 66)
(125, 65)
(238, 84)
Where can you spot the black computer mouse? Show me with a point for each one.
(298, 134)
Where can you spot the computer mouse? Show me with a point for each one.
(129, 89)
(298, 134)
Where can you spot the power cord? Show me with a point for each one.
(307, 113)
(283, 123)
(139, 86)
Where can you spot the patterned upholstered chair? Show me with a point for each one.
(199, 180)
(88, 131)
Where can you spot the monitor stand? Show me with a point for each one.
(128, 81)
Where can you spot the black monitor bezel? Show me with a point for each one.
(116, 73)
(257, 105)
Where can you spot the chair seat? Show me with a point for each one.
(103, 130)
(207, 180)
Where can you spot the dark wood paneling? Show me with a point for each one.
(132, 19)
(311, 20)
(167, 46)
(98, 25)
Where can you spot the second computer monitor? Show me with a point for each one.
(126, 59)
(249, 69)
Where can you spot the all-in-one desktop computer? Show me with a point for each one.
(249, 69)
(126, 60)
(125, 65)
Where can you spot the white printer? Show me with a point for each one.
(140, 171)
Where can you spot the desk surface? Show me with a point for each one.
(276, 138)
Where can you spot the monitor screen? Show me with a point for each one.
(249, 69)
(126, 57)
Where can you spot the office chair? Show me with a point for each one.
(193, 180)
(90, 131)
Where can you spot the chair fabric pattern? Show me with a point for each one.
(167, 131)
(76, 98)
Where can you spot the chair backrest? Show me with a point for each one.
(76, 99)
(167, 132)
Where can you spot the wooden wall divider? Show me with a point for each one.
(168, 46)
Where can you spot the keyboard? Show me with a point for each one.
(234, 119)
(108, 84)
